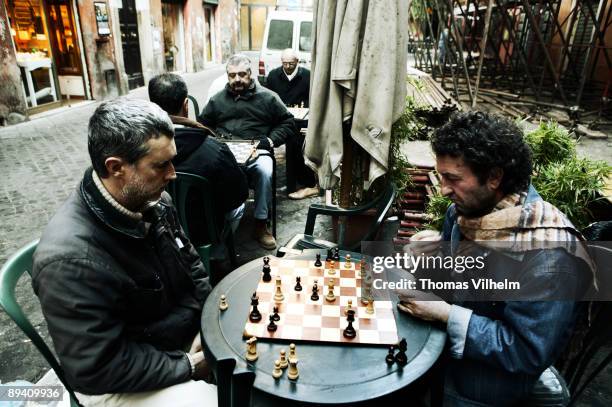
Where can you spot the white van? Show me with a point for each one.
(285, 29)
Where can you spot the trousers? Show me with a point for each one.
(259, 174)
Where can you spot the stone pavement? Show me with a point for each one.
(43, 161)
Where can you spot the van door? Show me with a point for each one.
(278, 37)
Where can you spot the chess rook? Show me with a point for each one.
(278, 295)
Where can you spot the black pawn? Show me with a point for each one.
(330, 255)
(275, 315)
(315, 293)
(266, 270)
(317, 262)
(336, 254)
(298, 286)
(401, 357)
(349, 331)
(272, 326)
(255, 315)
(390, 359)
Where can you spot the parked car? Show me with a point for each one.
(285, 29)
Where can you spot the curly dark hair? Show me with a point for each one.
(486, 141)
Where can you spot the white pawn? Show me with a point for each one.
(277, 372)
(283, 359)
(293, 373)
(251, 354)
(349, 306)
(292, 353)
(332, 268)
(347, 261)
(223, 303)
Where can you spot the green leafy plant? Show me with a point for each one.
(551, 143)
(436, 209)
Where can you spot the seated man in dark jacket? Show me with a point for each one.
(248, 111)
(497, 349)
(120, 285)
(292, 84)
(199, 154)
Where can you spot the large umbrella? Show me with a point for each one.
(358, 72)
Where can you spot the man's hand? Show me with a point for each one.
(202, 369)
(425, 241)
(196, 345)
(425, 306)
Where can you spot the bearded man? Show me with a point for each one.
(120, 285)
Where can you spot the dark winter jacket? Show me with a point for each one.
(255, 115)
(291, 93)
(200, 154)
(121, 297)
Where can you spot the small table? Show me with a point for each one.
(28, 66)
(329, 373)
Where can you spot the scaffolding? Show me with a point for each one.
(521, 55)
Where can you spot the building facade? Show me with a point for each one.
(56, 50)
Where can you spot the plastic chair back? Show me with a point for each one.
(10, 273)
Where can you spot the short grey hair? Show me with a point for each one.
(238, 59)
(289, 53)
(121, 128)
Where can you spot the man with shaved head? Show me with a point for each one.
(292, 83)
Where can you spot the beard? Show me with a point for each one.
(481, 202)
(135, 194)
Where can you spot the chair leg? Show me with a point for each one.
(231, 250)
(242, 386)
(225, 369)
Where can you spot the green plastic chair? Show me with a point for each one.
(10, 274)
(180, 190)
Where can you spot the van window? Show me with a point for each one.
(280, 35)
(305, 36)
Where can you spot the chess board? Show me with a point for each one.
(299, 113)
(242, 149)
(302, 319)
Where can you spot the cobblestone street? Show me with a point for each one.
(43, 161)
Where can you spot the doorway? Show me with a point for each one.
(209, 34)
(128, 23)
(174, 46)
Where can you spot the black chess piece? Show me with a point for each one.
(401, 357)
(350, 332)
(266, 270)
(317, 262)
(315, 293)
(330, 255)
(390, 359)
(336, 254)
(275, 315)
(272, 326)
(298, 286)
(255, 315)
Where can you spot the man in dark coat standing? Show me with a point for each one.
(292, 83)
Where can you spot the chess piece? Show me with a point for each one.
(349, 307)
(350, 332)
(317, 262)
(223, 303)
(275, 314)
(278, 296)
(292, 353)
(347, 261)
(283, 359)
(330, 255)
(401, 357)
(390, 359)
(292, 373)
(362, 268)
(315, 292)
(332, 268)
(277, 372)
(255, 315)
(298, 286)
(336, 254)
(272, 327)
(370, 306)
(251, 354)
(266, 270)
(331, 297)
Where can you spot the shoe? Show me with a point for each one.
(304, 193)
(263, 235)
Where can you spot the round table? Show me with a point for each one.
(329, 373)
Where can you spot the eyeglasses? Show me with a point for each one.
(289, 63)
